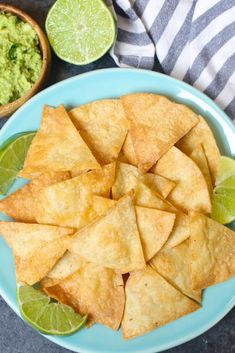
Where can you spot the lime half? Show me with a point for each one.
(80, 31)
(47, 317)
(12, 156)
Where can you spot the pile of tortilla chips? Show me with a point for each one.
(115, 218)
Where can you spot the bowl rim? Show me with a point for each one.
(45, 50)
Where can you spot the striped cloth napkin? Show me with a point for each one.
(194, 41)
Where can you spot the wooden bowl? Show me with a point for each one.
(6, 110)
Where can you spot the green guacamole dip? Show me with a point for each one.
(20, 58)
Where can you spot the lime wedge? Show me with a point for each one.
(80, 31)
(227, 184)
(47, 317)
(226, 169)
(223, 209)
(12, 156)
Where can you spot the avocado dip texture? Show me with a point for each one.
(20, 58)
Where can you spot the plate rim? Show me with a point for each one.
(194, 91)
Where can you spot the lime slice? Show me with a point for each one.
(80, 31)
(227, 184)
(47, 317)
(223, 209)
(226, 169)
(12, 156)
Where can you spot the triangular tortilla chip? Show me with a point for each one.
(21, 205)
(202, 134)
(145, 197)
(212, 251)
(190, 192)
(57, 146)
(199, 157)
(65, 267)
(99, 181)
(156, 124)
(174, 265)
(36, 248)
(152, 302)
(69, 204)
(128, 150)
(127, 176)
(103, 125)
(95, 291)
(155, 227)
(113, 240)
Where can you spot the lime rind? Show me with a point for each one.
(80, 31)
(45, 316)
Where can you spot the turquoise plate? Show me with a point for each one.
(112, 83)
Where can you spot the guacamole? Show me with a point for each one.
(20, 58)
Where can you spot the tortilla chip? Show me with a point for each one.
(99, 181)
(156, 124)
(69, 204)
(212, 251)
(65, 267)
(113, 240)
(128, 150)
(154, 227)
(174, 265)
(152, 302)
(199, 157)
(190, 192)
(127, 176)
(145, 197)
(21, 204)
(95, 291)
(57, 146)
(103, 125)
(36, 248)
(202, 134)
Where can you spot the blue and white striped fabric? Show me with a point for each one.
(194, 41)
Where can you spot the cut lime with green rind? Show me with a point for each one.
(226, 169)
(12, 156)
(223, 209)
(80, 31)
(45, 316)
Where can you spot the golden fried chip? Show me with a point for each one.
(156, 124)
(112, 240)
(212, 251)
(103, 125)
(145, 197)
(127, 176)
(155, 227)
(69, 204)
(128, 150)
(95, 291)
(36, 248)
(202, 134)
(152, 302)
(57, 146)
(190, 192)
(21, 205)
(99, 181)
(174, 265)
(65, 267)
(199, 157)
